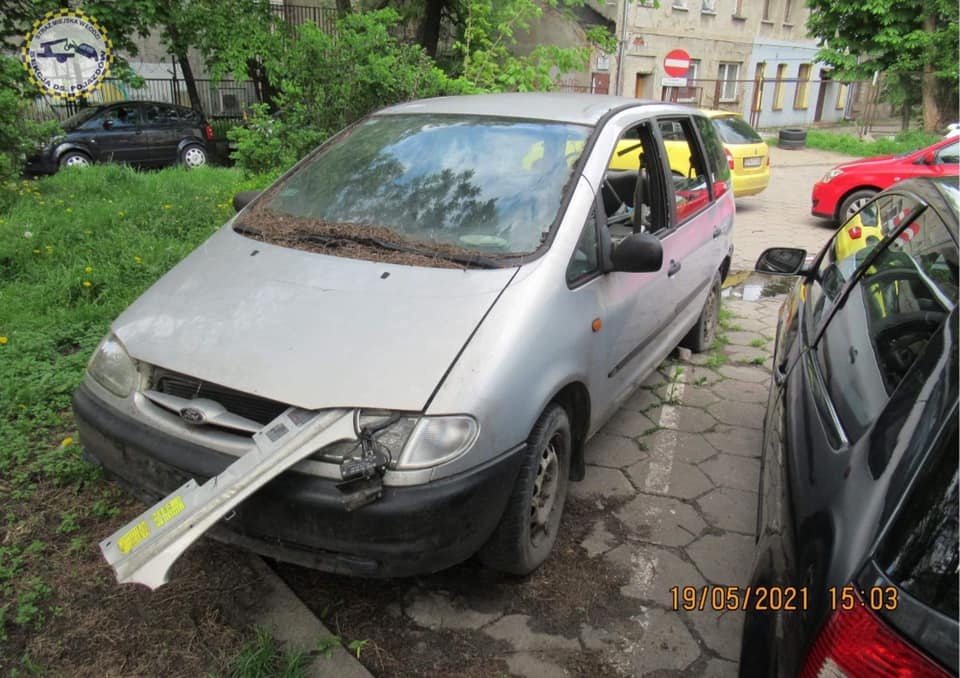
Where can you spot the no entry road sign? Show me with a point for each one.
(676, 63)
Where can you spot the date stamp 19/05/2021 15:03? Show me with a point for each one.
(779, 598)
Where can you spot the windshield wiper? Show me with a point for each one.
(243, 229)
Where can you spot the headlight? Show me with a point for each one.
(832, 174)
(413, 442)
(113, 368)
(436, 440)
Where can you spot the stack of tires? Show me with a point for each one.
(792, 138)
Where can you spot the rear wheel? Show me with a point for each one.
(529, 525)
(193, 156)
(701, 336)
(74, 159)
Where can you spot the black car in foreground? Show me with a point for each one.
(856, 566)
(141, 133)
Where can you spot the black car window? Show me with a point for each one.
(884, 323)
(121, 116)
(715, 155)
(919, 552)
(188, 115)
(160, 114)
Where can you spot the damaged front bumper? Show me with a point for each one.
(302, 519)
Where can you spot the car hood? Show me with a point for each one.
(308, 329)
(868, 163)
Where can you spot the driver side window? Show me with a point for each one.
(885, 321)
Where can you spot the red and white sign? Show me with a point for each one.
(676, 63)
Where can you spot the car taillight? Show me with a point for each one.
(729, 158)
(856, 643)
(854, 232)
(208, 132)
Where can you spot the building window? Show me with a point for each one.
(842, 96)
(728, 75)
(778, 87)
(680, 4)
(803, 87)
(787, 10)
(766, 10)
(738, 10)
(709, 7)
(688, 94)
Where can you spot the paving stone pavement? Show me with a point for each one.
(673, 478)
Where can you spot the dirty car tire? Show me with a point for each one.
(74, 159)
(193, 156)
(701, 335)
(529, 525)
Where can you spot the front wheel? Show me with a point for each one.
(854, 202)
(529, 525)
(193, 156)
(701, 336)
(74, 159)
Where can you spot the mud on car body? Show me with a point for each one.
(482, 298)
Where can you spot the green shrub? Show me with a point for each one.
(19, 135)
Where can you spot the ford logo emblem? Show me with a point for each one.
(192, 415)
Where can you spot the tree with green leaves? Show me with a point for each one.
(898, 37)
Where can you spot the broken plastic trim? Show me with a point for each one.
(144, 550)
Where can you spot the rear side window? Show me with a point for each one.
(715, 155)
(688, 167)
(736, 131)
(919, 553)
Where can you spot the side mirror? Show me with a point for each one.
(638, 253)
(929, 158)
(107, 124)
(782, 261)
(243, 198)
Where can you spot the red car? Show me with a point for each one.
(848, 187)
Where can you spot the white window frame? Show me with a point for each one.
(728, 85)
(692, 74)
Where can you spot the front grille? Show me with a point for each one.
(258, 409)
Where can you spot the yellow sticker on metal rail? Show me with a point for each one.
(168, 511)
(137, 534)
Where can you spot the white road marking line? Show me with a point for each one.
(661, 457)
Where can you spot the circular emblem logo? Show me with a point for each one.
(67, 54)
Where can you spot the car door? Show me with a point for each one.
(630, 306)
(117, 135)
(160, 127)
(867, 321)
(941, 160)
(696, 238)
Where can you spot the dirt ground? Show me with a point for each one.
(565, 593)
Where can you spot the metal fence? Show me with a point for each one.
(224, 100)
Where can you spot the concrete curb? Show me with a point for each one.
(291, 622)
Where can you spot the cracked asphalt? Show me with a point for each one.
(669, 501)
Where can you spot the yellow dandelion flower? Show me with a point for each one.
(3, 340)
(88, 269)
(87, 283)
(66, 441)
(168, 206)
(121, 214)
(69, 210)
(138, 259)
(36, 251)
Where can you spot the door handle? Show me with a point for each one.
(673, 269)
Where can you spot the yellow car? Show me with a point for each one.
(747, 154)
(860, 232)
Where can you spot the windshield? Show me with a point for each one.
(80, 117)
(439, 183)
(734, 130)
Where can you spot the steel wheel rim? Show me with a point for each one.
(194, 157)
(545, 485)
(76, 161)
(855, 207)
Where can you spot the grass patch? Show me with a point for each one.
(75, 249)
(758, 343)
(716, 359)
(850, 144)
(726, 321)
(263, 657)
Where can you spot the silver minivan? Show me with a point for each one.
(471, 279)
